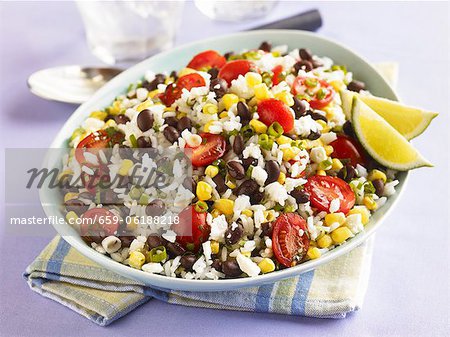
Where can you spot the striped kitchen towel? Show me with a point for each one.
(330, 291)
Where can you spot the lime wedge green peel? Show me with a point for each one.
(408, 121)
(384, 143)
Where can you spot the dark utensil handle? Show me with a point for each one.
(310, 20)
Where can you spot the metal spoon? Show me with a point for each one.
(70, 84)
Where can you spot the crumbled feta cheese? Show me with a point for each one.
(259, 175)
(362, 172)
(219, 226)
(354, 223)
(141, 94)
(252, 150)
(334, 205)
(304, 125)
(276, 192)
(328, 137)
(247, 265)
(318, 154)
(152, 267)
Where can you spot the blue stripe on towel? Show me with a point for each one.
(301, 293)
(55, 262)
(263, 298)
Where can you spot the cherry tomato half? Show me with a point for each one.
(174, 90)
(290, 239)
(272, 110)
(231, 70)
(318, 93)
(95, 141)
(192, 229)
(277, 74)
(208, 58)
(98, 222)
(212, 148)
(345, 147)
(324, 189)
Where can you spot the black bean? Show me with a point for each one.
(273, 171)
(126, 240)
(266, 229)
(236, 170)
(219, 180)
(175, 249)
(174, 75)
(217, 264)
(171, 134)
(379, 186)
(256, 197)
(305, 54)
(154, 241)
(314, 135)
(121, 119)
(86, 195)
(228, 54)
(93, 238)
(348, 129)
(155, 208)
(303, 65)
(356, 86)
(243, 111)
(316, 64)
(144, 142)
(187, 261)
(231, 268)
(171, 121)
(347, 173)
(249, 161)
(213, 72)
(219, 86)
(108, 197)
(317, 116)
(145, 120)
(300, 196)
(265, 46)
(233, 234)
(248, 187)
(299, 107)
(153, 85)
(190, 184)
(238, 144)
(183, 124)
(77, 206)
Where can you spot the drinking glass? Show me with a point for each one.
(129, 31)
(235, 10)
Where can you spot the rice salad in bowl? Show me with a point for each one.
(276, 174)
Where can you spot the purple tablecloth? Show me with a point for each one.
(408, 290)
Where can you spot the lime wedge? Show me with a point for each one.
(385, 144)
(409, 121)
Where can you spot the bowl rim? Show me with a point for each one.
(155, 280)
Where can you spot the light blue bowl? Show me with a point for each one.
(177, 59)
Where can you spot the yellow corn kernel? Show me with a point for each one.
(215, 213)
(328, 149)
(215, 247)
(136, 259)
(339, 235)
(71, 217)
(170, 108)
(247, 212)
(370, 203)
(181, 115)
(125, 167)
(284, 140)
(144, 105)
(336, 164)
(70, 196)
(324, 125)
(229, 99)
(204, 191)
(223, 114)
(99, 115)
(269, 216)
(210, 109)
(312, 243)
(262, 91)
(334, 217)
(207, 126)
(252, 102)
(285, 97)
(321, 173)
(266, 265)
(133, 223)
(253, 79)
(290, 153)
(211, 171)
(325, 241)
(282, 178)
(230, 184)
(225, 206)
(313, 253)
(365, 214)
(258, 126)
(64, 174)
(110, 123)
(186, 71)
(153, 93)
(115, 108)
(377, 174)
